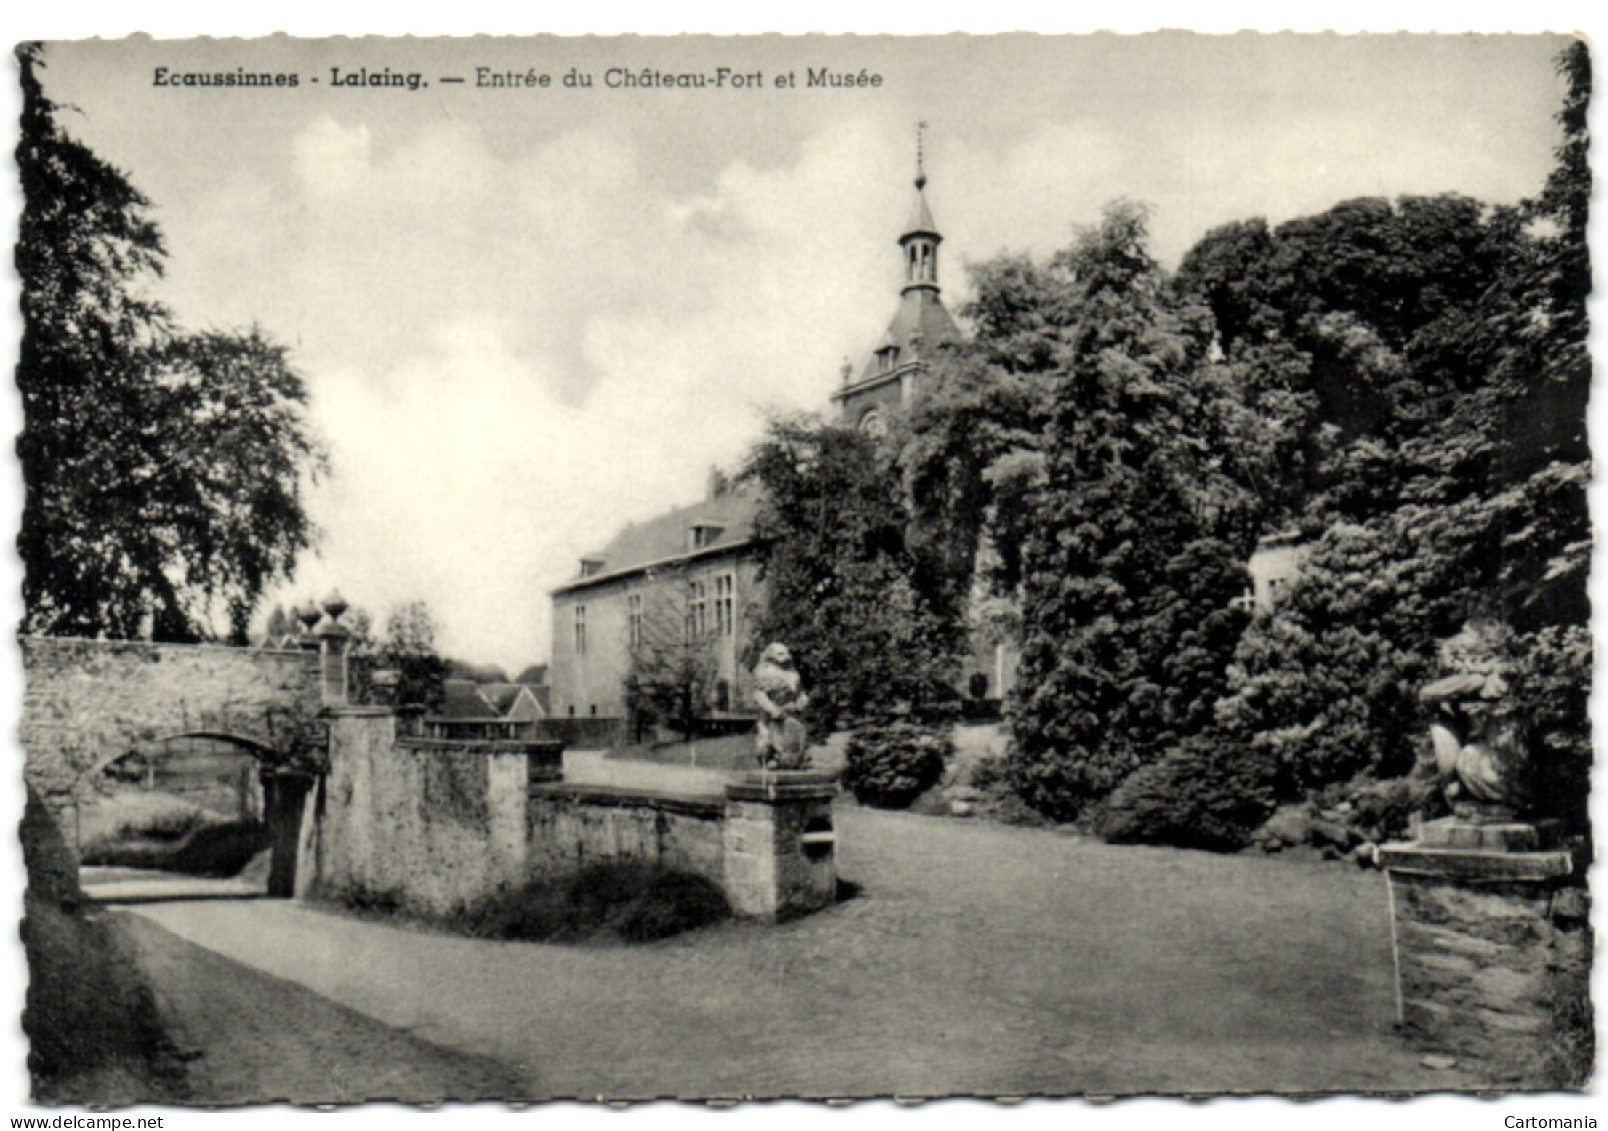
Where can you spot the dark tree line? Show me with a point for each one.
(1402, 383)
(164, 471)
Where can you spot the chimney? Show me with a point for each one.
(719, 484)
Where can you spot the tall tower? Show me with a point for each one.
(886, 381)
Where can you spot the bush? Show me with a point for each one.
(1384, 810)
(889, 765)
(137, 814)
(219, 849)
(627, 900)
(1203, 795)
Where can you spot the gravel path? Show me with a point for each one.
(251, 1038)
(976, 959)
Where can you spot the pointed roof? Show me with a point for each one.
(920, 310)
(921, 222)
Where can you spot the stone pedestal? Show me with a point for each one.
(1492, 942)
(780, 844)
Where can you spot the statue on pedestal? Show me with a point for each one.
(1479, 750)
(782, 739)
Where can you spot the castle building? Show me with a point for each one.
(888, 379)
(696, 566)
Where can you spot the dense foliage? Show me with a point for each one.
(845, 590)
(889, 765)
(163, 471)
(1441, 346)
(1399, 385)
(1108, 469)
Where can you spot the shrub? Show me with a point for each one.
(1202, 795)
(213, 849)
(627, 900)
(137, 814)
(889, 765)
(1384, 810)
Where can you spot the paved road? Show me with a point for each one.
(977, 959)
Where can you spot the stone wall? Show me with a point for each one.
(86, 702)
(1493, 947)
(571, 826)
(427, 824)
(433, 825)
(1488, 969)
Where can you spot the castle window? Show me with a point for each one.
(725, 604)
(697, 611)
(873, 425)
(634, 619)
(580, 630)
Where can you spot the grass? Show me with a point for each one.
(138, 813)
(729, 752)
(94, 1033)
(137, 829)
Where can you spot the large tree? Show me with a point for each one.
(844, 588)
(163, 472)
(1458, 493)
(1133, 520)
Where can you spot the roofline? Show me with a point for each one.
(629, 571)
(876, 381)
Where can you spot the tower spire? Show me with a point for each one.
(921, 239)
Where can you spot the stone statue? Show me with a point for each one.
(1479, 752)
(782, 739)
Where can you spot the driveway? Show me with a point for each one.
(975, 959)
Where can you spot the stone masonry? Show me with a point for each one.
(1493, 939)
(780, 858)
(434, 825)
(429, 824)
(86, 702)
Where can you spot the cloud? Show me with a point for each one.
(514, 355)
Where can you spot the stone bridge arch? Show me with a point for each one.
(87, 703)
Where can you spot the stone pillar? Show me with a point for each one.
(780, 844)
(333, 641)
(1492, 941)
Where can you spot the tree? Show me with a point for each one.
(163, 472)
(410, 630)
(1459, 495)
(1131, 524)
(844, 590)
(672, 668)
(409, 649)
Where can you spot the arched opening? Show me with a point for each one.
(201, 811)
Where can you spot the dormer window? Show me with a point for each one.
(703, 533)
(591, 567)
(887, 357)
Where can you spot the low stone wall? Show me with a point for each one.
(584, 732)
(572, 826)
(430, 824)
(434, 825)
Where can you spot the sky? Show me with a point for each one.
(514, 327)
(529, 316)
